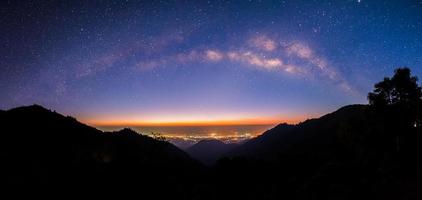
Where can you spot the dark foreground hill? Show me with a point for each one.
(314, 136)
(39, 147)
(209, 151)
(352, 153)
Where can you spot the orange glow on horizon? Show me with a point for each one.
(228, 122)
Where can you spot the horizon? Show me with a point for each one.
(175, 123)
(233, 122)
(186, 134)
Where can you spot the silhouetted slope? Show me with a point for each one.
(38, 146)
(307, 137)
(351, 153)
(209, 151)
(128, 145)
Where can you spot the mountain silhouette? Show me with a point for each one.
(42, 147)
(348, 154)
(357, 152)
(309, 137)
(209, 151)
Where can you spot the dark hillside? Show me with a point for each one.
(41, 147)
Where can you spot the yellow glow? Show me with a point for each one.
(259, 121)
(190, 119)
(225, 137)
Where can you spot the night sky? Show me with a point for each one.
(146, 62)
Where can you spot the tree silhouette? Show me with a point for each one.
(382, 94)
(398, 100)
(402, 89)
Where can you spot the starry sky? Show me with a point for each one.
(224, 62)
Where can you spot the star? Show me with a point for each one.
(194, 59)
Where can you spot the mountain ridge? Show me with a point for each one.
(284, 136)
(209, 151)
(38, 145)
(347, 152)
